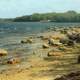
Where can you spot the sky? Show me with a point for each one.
(15, 8)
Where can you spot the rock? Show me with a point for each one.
(75, 37)
(54, 42)
(52, 53)
(44, 37)
(64, 31)
(78, 38)
(51, 41)
(45, 46)
(13, 61)
(67, 41)
(72, 36)
(71, 76)
(56, 62)
(64, 40)
(24, 41)
(70, 43)
(27, 41)
(3, 52)
(57, 43)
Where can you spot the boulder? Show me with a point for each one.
(45, 46)
(13, 61)
(3, 52)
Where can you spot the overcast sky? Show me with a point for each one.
(14, 8)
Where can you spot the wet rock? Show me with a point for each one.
(3, 52)
(45, 46)
(13, 61)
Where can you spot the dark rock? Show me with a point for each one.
(71, 76)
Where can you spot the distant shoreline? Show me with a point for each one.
(69, 16)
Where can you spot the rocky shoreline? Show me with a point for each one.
(53, 53)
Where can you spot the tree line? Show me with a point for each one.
(69, 16)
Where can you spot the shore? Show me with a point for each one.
(53, 54)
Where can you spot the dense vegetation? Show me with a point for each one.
(69, 16)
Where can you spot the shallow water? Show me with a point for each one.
(12, 33)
